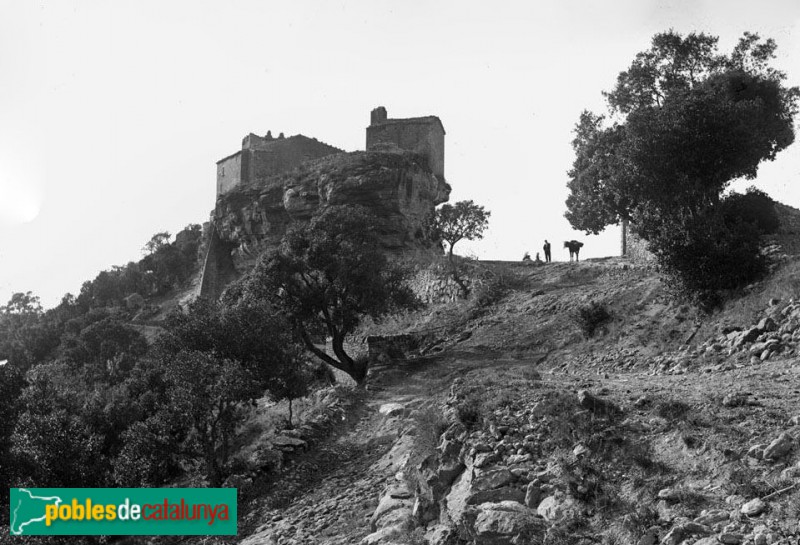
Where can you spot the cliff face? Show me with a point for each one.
(396, 185)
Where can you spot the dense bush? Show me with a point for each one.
(702, 255)
(591, 316)
(166, 265)
(469, 411)
(753, 206)
(150, 456)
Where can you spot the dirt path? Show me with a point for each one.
(350, 471)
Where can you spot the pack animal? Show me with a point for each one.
(574, 247)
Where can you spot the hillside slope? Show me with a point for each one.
(665, 426)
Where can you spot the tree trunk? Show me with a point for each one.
(291, 426)
(357, 371)
(454, 273)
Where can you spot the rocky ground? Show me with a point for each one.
(513, 427)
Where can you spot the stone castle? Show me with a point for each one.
(263, 157)
(272, 183)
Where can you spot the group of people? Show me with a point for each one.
(546, 248)
(573, 245)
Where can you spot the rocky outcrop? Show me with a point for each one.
(396, 185)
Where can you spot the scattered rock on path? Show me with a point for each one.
(780, 447)
(753, 508)
(596, 405)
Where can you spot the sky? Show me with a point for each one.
(113, 114)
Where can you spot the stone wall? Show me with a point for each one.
(284, 155)
(434, 284)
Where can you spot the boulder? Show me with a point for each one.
(712, 516)
(767, 324)
(753, 508)
(596, 405)
(779, 448)
(505, 493)
(670, 494)
(392, 409)
(533, 495)
(650, 537)
(674, 537)
(748, 336)
(492, 479)
(390, 511)
(552, 508)
(507, 523)
(456, 499)
(385, 536)
(399, 491)
(441, 534)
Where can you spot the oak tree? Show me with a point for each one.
(326, 276)
(684, 122)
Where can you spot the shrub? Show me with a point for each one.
(469, 413)
(150, 455)
(591, 316)
(490, 292)
(703, 255)
(753, 207)
(429, 424)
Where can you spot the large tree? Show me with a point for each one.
(685, 121)
(326, 276)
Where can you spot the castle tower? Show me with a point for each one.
(423, 135)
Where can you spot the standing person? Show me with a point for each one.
(546, 248)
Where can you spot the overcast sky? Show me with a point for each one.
(113, 114)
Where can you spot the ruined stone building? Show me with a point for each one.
(272, 183)
(262, 157)
(423, 135)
